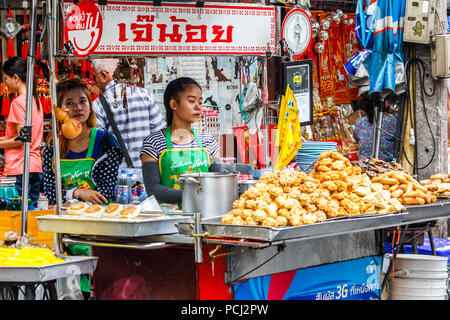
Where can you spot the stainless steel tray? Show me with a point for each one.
(427, 212)
(145, 225)
(73, 265)
(215, 228)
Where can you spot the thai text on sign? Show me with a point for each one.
(141, 28)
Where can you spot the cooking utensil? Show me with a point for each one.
(210, 193)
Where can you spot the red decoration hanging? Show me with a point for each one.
(10, 49)
(25, 40)
(25, 49)
(38, 51)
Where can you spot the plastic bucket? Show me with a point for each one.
(419, 277)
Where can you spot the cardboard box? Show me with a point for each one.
(12, 220)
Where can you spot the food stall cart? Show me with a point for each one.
(187, 256)
(27, 268)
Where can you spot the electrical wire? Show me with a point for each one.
(422, 67)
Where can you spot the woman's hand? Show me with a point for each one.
(89, 195)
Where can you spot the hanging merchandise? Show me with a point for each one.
(6, 102)
(10, 28)
(378, 67)
(385, 63)
(25, 36)
(42, 91)
(126, 74)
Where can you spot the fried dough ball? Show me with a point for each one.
(272, 210)
(250, 221)
(259, 215)
(332, 209)
(228, 218)
(252, 193)
(324, 162)
(281, 201)
(275, 192)
(341, 185)
(237, 220)
(295, 220)
(321, 216)
(294, 194)
(292, 203)
(310, 185)
(340, 196)
(323, 168)
(287, 179)
(305, 199)
(239, 204)
(260, 204)
(350, 206)
(281, 221)
(342, 212)
(246, 213)
(311, 208)
(270, 222)
(264, 197)
(267, 177)
(249, 204)
(262, 187)
(298, 211)
(284, 213)
(330, 185)
(338, 165)
(309, 218)
(322, 204)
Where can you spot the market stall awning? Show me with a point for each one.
(379, 29)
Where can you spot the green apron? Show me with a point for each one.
(77, 173)
(175, 162)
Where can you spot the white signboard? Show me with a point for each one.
(131, 28)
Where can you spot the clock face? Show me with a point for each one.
(297, 31)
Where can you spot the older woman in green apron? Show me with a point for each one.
(178, 149)
(89, 162)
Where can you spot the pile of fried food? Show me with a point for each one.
(375, 167)
(292, 198)
(438, 184)
(114, 210)
(404, 188)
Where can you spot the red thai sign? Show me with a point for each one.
(183, 28)
(83, 29)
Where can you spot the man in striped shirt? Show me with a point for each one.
(139, 119)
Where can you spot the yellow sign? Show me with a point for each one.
(289, 134)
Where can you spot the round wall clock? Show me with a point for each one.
(297, 31)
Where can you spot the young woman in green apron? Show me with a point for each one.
(178, 149)
(89, 162)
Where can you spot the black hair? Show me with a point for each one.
(367, 105)
(18, 65)
(172, 92)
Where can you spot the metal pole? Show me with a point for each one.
(375, 132)
(28, 115)
(52, 20)
(378, 130)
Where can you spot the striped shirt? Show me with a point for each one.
(141, 118)
(155, 144)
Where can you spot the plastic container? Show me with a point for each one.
(419, 277)
(122, 188)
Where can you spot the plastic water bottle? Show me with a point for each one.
(133, 186)
(140, 185)
(122, 187)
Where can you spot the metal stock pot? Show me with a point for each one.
(210, 193)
